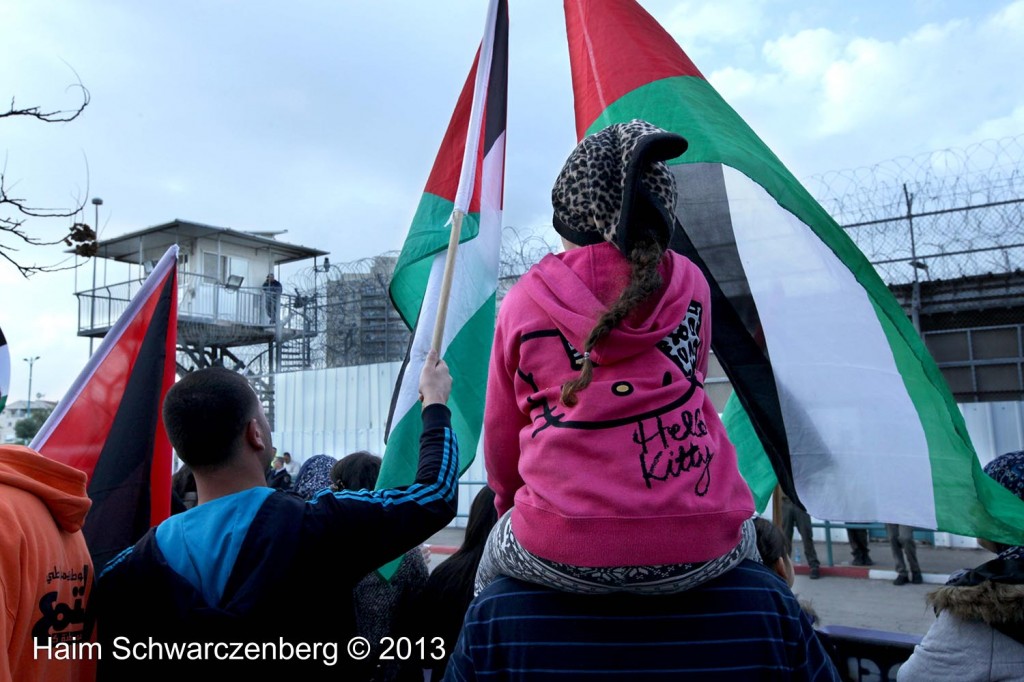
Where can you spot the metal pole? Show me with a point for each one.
(31, 361)
(915, 296)
(96, 202)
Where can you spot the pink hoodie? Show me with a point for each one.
(640, 471)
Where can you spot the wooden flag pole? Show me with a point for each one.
(446, 281)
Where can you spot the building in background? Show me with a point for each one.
(17, 410)
(361, 325)
(225, 316)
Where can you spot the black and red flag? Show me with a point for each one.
(108, 424)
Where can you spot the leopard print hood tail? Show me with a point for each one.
(616, 187)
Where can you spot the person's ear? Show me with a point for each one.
(782, 570)
(254, 435)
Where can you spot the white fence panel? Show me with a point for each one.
(341, 410)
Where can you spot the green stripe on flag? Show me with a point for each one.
(717, 134)
(967, 501)
(472, 348)
(428, 236)
(755, 467)
(965, 498)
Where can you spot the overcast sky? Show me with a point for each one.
(322, 117)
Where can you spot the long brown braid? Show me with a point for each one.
(644, 281)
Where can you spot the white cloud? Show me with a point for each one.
(804, 55)
(876, 80)
(1010, 18)
(839, 99)
(1011, 125)
(699, 25)
(735, 84)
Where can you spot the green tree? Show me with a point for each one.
(26, 429)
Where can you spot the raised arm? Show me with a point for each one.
(380, 525)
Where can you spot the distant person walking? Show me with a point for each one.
(272, 296)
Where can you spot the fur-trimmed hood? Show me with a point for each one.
(990, 602)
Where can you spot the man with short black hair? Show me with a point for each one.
(209, 575)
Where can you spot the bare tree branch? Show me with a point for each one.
(16, 210)
(58, 115)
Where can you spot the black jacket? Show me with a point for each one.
(263, 578)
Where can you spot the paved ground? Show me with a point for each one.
(877, 603)
(847, 595)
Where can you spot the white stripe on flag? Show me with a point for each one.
(476, 264)
(481, 84)
(822, 334)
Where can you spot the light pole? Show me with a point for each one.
(96, 202)
(31, 361)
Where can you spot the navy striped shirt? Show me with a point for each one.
(744, 625)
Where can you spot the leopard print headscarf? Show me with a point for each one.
(616, 187)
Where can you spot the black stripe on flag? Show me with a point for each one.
(706, 237)
(119, 488)
(497, 87)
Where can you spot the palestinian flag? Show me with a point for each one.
(832, 385)
(5, 371)
(467, 176)
(109, 426)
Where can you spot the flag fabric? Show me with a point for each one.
(108, 424)
(5, 370)
(468, 175)
(835, 395)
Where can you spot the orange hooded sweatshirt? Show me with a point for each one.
(46, 574)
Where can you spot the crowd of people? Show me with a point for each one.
(576, 562)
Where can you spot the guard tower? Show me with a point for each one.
(225, 317)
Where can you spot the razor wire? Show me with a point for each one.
(949, 214)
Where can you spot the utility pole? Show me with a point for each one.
(915, 264)
(31, 361)
(97, 202)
